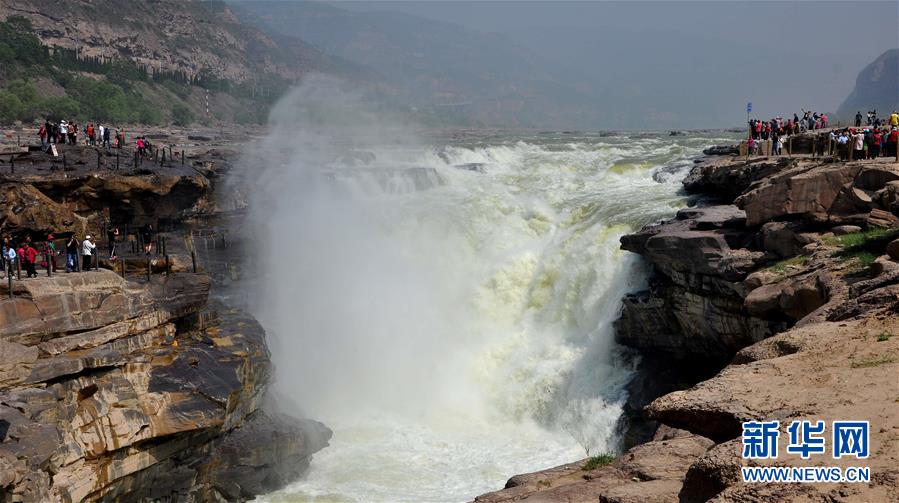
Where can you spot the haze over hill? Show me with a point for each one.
(877, 87)
(640, 65)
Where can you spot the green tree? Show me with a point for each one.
(10, 105)
(181, 115)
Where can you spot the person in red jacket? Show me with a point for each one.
(30, 257)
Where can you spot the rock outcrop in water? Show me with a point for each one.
(776, 299)
(120, 388)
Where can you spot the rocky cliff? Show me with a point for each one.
(121, 385)
(186, 36)
(775, 298)
(876, 88)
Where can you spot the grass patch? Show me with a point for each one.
(864, 239)
(884, 336)
(874, 361)
(782, 266)
(598, 461)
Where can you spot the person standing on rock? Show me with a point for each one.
(9, 255)
(50, 252)
(858, 145)
(858, 118)
(111, 236)
(72, 254)
(874, 146)
(87, 248)
(29, 257)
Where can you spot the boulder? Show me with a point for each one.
(893, 249)
(803, 191)
(722, 150)
(842, 230)
(783, 239)
(880, 218)
(792, 297)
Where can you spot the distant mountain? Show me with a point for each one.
(439, 70)
(146, 61)
(167, 35)
(877, 87)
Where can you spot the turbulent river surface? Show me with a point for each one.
(446, 305)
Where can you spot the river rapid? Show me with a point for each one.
(445, 303)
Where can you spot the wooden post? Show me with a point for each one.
(166, 265)
(156, 155)
(117, 161)
(193, 259)
(48, 264)
(9, 277)
(12, 165)
(18, 268)
(790, 147)
(98, 160)
(149, 269)
(122, 264)
(63, 161)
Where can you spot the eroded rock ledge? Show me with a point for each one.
(776, 298)
(116, 389)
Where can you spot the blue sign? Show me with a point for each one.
(749, 107)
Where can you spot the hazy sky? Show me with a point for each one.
(847, 34)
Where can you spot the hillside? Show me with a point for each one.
(158, 56)
(440, 71)
(876, 88)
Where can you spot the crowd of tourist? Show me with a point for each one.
(29, 255)
(777, 127)
(879, 137)
(67, 133)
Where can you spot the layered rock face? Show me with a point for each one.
(774, 299)
(119, 386)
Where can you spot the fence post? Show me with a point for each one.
(64, 166)
(790, 147)
(12, 165)
(193, 259)
(98, 160)
(166, 265)
(9, 277)
(116, 161)
(18, 268)
(48, 264)
(182, 158)
(149, 269)
(122, 263)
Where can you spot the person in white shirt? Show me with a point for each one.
(87, 248)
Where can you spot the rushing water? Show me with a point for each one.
(446, 305)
